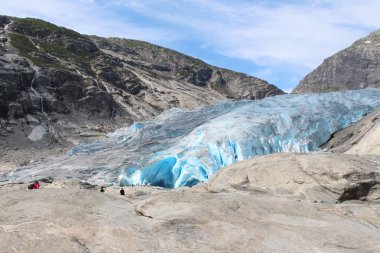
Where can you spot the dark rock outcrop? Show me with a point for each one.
(15, 77)
(15, 110)
(353, 68)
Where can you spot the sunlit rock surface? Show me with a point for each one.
(292, 209)
(315, 177)
(182, 148)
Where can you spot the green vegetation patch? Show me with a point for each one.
(171, 54)
(51, 38)
(26, 48)
(41, 28)
(23, 44)
(61, 51)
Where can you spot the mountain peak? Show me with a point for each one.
(355, 67)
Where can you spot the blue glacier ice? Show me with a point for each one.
(184, 147)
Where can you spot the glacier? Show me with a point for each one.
(184, 147)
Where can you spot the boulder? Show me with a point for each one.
(15, 110)
(37, 133)
(319, 177)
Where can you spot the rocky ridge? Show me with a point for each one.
(59, 88)
(355, 67)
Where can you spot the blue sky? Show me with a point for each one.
(279, 41)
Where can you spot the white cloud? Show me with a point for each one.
(302, 33)
(273, 34)
(84, 16)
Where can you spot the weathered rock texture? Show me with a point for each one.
(319, 177)
(353, 68)
(361, 138)
(261, 205)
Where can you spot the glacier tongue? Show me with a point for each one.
(183, 147)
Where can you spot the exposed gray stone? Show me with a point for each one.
(32, 120)
(353, 68)
(37, 133)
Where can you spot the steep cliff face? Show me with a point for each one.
(75, 86)
(353, 68)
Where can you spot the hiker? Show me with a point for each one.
(122, 191)
(36, 185)
(102, 189)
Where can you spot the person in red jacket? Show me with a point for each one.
(36, 185)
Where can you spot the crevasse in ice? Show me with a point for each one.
(184, 147)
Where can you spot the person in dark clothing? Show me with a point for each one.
(122, 191)
(102, 189)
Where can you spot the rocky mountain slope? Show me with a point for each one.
(59, 87)
(360, 138)
(355, 67)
